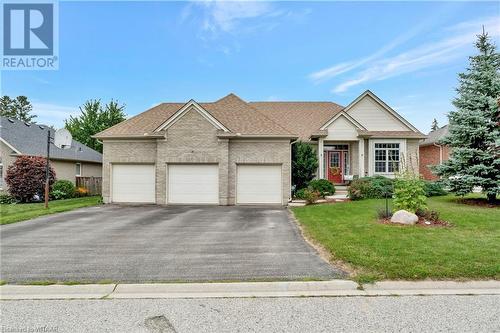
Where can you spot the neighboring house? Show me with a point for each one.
(19, 138)
(232, 152)
(432, 153)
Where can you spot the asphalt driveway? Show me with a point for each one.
(154, 244)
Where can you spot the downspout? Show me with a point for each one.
(291, 143)
(440, 153)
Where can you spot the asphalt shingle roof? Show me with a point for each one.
(434, 136)
(234, 113)
(295, 119)
(31, 139)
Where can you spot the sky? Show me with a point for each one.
(144, 53)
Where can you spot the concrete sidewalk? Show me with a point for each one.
(248, 289)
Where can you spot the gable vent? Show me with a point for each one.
(27, 124)
(11, 120)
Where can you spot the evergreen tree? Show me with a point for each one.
(434, 125)
(304, 164)
(18, 108)
(93, 119)
(474, 134)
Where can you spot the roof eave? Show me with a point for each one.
(145, 136)
(256, 136)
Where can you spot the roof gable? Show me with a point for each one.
(347, 117)
(369, 110)
(191, 105)
(342, 127)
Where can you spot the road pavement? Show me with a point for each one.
(479, 313)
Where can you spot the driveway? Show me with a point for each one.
(154, 243)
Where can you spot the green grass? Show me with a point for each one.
(20, 212)
(470, 249)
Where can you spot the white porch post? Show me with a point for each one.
(321, 168)
(361, 157)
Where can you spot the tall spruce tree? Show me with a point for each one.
(434, 125)
(474, 134)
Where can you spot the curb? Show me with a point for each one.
(248, 289)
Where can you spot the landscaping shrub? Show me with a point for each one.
(65, 190)
(7, 199)
(323, 186)
(311, 196)
(376, 187)
(300, 194)
(81, 192)
(58, 195)
(409, 192)
(26, 178)
(429, 215)
(433, 189)
(304, 164)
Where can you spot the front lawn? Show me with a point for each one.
(470, 249)
(20, 212)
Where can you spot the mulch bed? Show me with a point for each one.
(479, 202)
(421, 223)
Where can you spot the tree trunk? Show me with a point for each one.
(491, 197)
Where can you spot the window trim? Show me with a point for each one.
(79, 174)
(371, 157)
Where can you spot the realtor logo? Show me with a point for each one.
(29, 38)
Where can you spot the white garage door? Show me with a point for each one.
(133, 183)
(193, 184)
(258, 184)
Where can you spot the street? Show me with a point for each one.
(304, 314)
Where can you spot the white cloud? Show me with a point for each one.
(374, 67)
(335, 70)
(52, 114)
(225, 16)
(234, 17)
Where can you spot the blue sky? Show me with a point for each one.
(144, 53)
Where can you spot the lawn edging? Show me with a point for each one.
(322, 252)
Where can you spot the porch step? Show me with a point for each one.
(337, 197)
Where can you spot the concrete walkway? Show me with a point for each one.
(248, 289)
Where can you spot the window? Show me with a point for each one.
(386, 157)
(340, 147)
(78, 170)
(335, 160)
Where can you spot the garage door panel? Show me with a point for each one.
(193, 184)
(133, 183)
(259, 184)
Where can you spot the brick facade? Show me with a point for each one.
(192, 139)
(431, 155)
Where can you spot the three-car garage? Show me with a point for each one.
(196, 184)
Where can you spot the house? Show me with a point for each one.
(20, 138)
(432, 153)
(235, 152)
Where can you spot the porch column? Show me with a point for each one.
(361, 157)
(321, 168)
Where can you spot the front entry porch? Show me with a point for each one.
(340, 160)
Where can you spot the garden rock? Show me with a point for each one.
(404, 217)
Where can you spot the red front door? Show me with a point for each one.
(335, 166)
